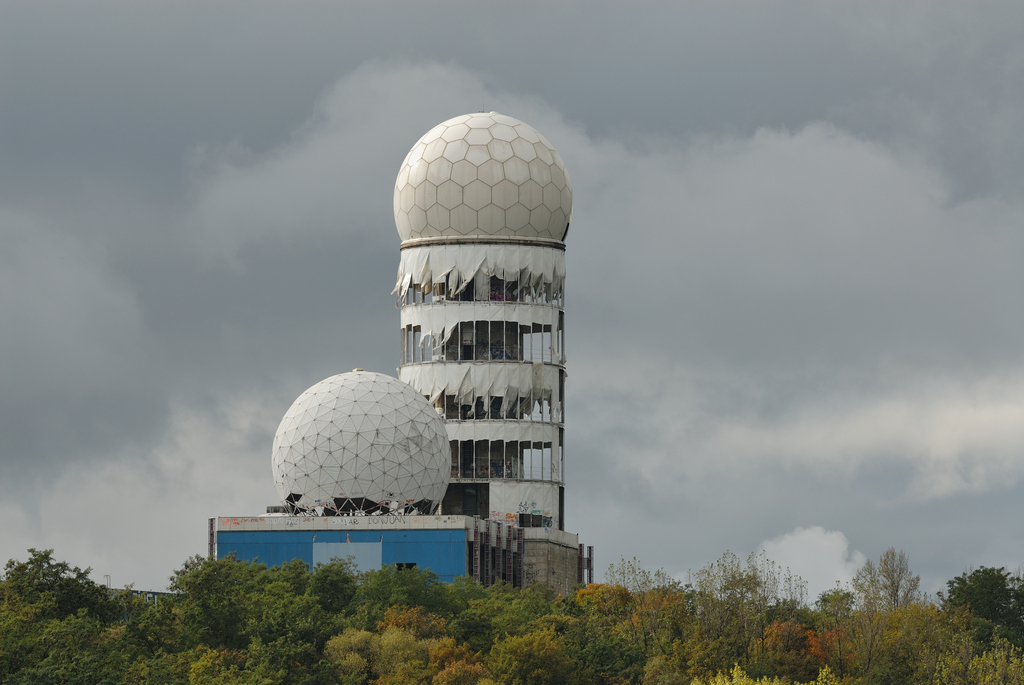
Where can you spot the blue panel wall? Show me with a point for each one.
(441, 551)
(365, 556)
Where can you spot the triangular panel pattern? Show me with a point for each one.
(361, 443)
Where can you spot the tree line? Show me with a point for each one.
(733, 622)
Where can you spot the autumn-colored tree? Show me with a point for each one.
(462, 673)
(1003, 664)
(734, 603)
(402, 659)
(390, 586)
(415, 620)
(650, 608)
(737, 676)
(786, 651)
(589, 624)
(234, 622)
(883, 648)
(228, 667)
(350, 654)
(831, 644)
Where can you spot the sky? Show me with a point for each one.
(795, 270)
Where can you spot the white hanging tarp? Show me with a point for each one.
(532, 266)
(487, 379)
(439, 319)
(506, 431)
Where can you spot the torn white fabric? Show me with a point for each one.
(439, 319)
(532, 266)
(505, 431)
(535, 382)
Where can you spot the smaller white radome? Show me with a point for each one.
(483, 175)
(361, 442)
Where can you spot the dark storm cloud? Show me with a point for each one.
(794, 253)
(113, 87)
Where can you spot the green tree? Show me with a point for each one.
(501, 610)
(55, 588)
(535, 658)
(214, 601)
(594, 637)
(390, 586)
(994, 596)
(78, 651)
(333, 585)
(1002, 664)
(870, 618)
(738, 677)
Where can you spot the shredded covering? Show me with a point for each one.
(532, 266)
(506, 431)
(438, 321)
(511, 381)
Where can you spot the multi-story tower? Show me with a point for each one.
(483, 204)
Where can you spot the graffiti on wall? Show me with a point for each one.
(525, 507)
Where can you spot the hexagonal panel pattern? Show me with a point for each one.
(361, 443)
(483, 175)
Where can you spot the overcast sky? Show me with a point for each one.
(795, 271)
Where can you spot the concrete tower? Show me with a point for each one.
(483, 204)
(364, 465)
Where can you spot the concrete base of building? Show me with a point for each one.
(551, 557)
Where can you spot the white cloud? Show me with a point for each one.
(957, 439)
(821, 557)
(740, 309)
(788, 298)
(137, 517)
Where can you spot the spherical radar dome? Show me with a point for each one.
(361, 442)
(483, 175)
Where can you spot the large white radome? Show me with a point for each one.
(483, 175)
(361, 441)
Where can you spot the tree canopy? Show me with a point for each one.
(733, 622)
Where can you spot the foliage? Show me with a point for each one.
(55, 589)
(502, 610)
(390, 586)
(333, 585)
(734, 605)
(536, 658)
(831, 643)
(738, 677)
(734, 622)
(996, 599)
